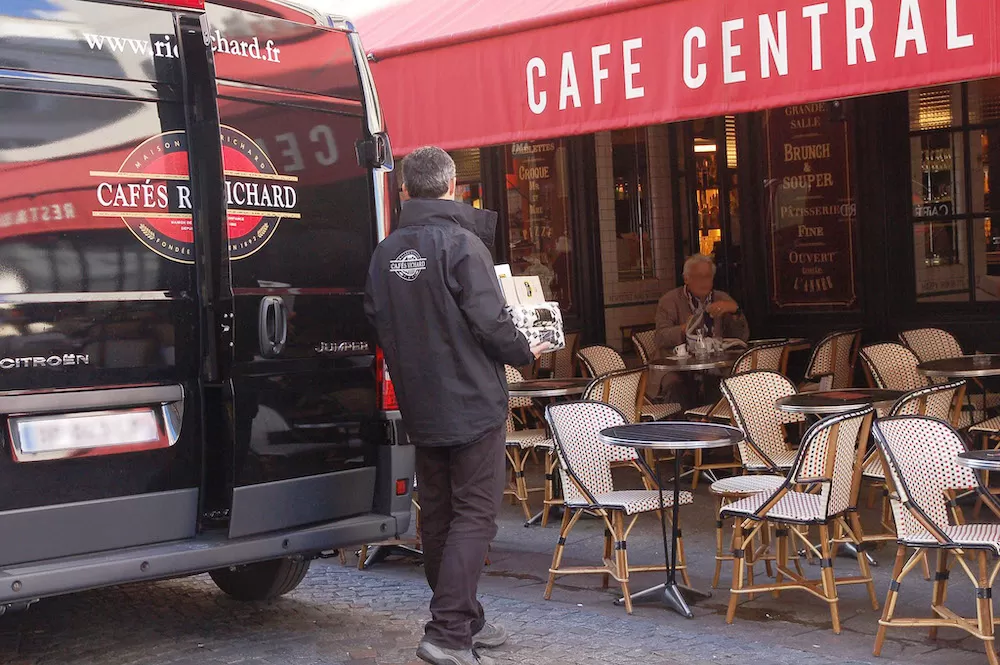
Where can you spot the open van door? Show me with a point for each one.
(301, 224)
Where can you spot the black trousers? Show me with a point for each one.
(460, 489)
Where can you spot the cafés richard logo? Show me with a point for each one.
(408, 265)
(151, 193)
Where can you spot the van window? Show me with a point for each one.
(275, 53)
(326, 202)
(89, 39)
(77, 205)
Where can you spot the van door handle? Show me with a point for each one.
(272, 326)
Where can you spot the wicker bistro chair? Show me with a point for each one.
(770, 356)
(943, 402)
(520, 442)
(624, 390)
(645, 345)
(598, 360)
(752, 397)
(585, 468)
(931, 343)
(935, 344)
(920, 456)
(825, 461)
(893, 367)
(832, 363)
(731, 489)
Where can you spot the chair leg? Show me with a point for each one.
(697, 468)
(781, 534)
(765, 539)
(518, 460)
(718, 542)
(865, 569)
(984, 610)
(550, 490)
(567, 523)
(608, 551)
(681, 558)
(621, 558)
(940, 592)
(362, 557)
(829, 581)
(739, 564)
(890, 601)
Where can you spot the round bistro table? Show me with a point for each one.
(674, 436)
(981, 460)
(693, 363)
(832, 402)
(547, 388)
(962, 367)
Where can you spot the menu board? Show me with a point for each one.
(811, 208)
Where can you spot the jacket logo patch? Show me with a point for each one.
(408, 265)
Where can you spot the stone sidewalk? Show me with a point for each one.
(342, 616)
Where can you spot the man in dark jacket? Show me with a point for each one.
(438, 311)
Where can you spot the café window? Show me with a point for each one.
(538, 210)
(954, 137)
(468, 173)
(633, 217)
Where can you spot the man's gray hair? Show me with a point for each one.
(427, 172)
(695, 259)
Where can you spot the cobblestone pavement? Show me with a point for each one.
(342, 616)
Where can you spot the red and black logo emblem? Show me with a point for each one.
(151, 193)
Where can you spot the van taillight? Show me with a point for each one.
(183, 4)
(386, 391)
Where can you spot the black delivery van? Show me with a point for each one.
(189, 199)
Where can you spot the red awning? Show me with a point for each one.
(480, 72)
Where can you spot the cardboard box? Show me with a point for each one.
(529, 290)
(537, 319)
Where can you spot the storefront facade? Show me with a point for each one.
(869, 211)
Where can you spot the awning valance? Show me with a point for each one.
(476, 73)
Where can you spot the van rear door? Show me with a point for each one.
(301, 223)
(99, 347)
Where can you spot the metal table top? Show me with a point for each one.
(988, 460)
(830, 402)
(541, 388)
(790, 341)
(963, 367)
(693, 363)
(682, 435)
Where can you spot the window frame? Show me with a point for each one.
(964, 131)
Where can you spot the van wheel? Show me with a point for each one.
(261, 581)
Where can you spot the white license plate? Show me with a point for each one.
(86, 431)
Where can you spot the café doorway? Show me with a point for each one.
(707, 194)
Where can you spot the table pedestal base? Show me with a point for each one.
(844, 551)
(379, 553)
(555, 511)
(676, 597)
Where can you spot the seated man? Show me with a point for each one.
(721, 316)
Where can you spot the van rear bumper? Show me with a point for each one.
(41, 579)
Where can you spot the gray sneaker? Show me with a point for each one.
(435, 655)
(491, 636)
